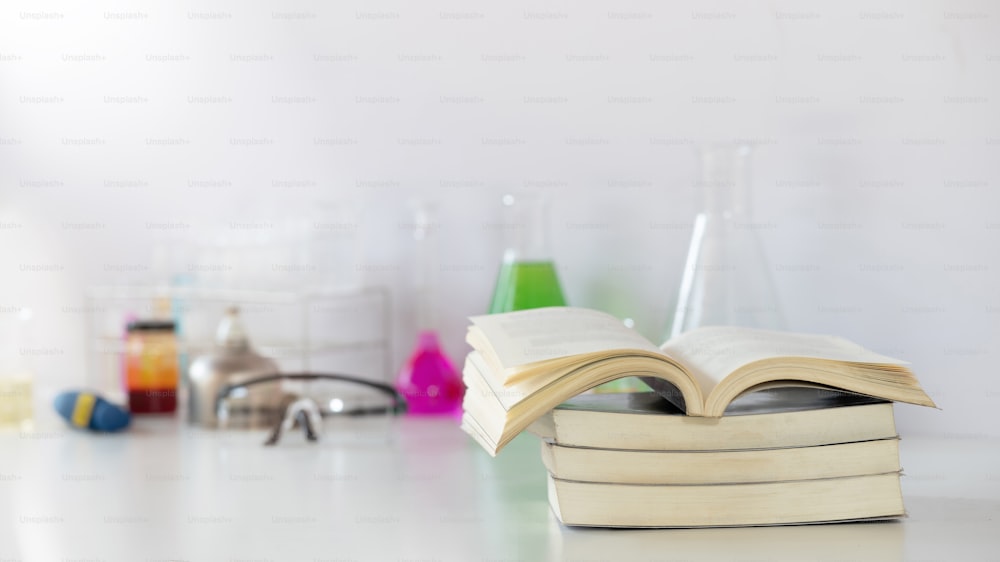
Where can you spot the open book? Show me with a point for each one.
(525, 363)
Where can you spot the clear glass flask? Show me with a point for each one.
(428, 380)
(527, 277)
(726, 279)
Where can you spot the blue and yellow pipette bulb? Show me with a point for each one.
(86, 410)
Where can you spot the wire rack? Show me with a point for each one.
(345, 331)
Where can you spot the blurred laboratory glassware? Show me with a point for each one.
(428, 379)
(527, 277)
(726, 278)
(16, 378)
(151, 366)
(231, 360)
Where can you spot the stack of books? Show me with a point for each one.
(747, 427)
(780, 456)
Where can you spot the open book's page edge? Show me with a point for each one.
(768, 374)
(758, 344)
(472, 428)
(698, 351)
(512, 357)
(733, 360)
(588, 376)
(776, 400)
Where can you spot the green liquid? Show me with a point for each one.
(523, 285)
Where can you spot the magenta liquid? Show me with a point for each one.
(429, 380)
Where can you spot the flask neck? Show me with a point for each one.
(425, 278)
(231, 335)
(725, 179)
(427, 341)
(525, 227)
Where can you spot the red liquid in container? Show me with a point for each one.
(151, 368)
(152, 401)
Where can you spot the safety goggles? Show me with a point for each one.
(315, 403)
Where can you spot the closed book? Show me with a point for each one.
(774, 418)
(722, 505)
(721, 467)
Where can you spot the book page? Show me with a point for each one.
(713, 352)
(541, 334)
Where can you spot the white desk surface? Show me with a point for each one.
(164, 491)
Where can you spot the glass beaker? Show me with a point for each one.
(726, 279)
(527, 277)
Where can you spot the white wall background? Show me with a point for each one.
(877, 127)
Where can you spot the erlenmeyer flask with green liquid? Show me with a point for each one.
(527, 277)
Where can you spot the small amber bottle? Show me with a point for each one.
(151, 370)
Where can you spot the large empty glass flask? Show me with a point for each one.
(726, 279)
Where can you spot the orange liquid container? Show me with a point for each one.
(151, 368)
